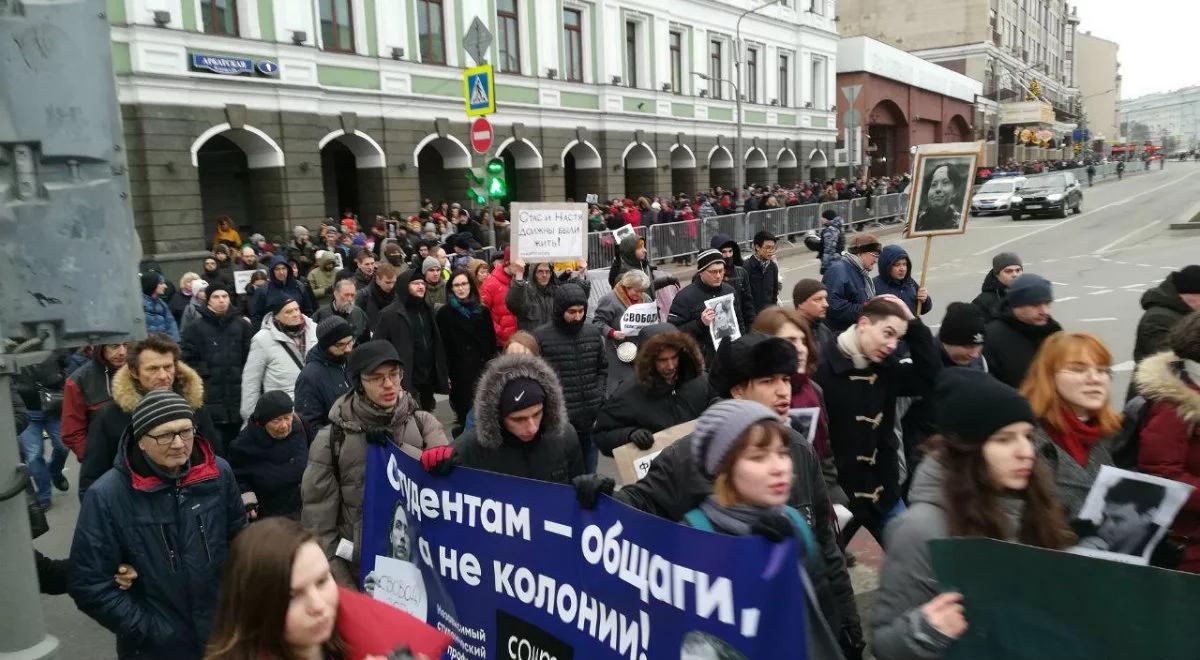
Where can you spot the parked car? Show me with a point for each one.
(1047, 194)
(995, 195)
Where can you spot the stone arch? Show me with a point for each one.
(454, 154)
(785, 158)
(787, 167)
(720, 168)
(441, 163)
(585, 154)
(755, 158)
(682, 156)
(261, 151)
(956, 130)
(719, 158)
(524, 154)
(641, 169)
(638, 155)
(817, 158)
(886, 113)
(683, 169)
(522, 169)
(367, 152)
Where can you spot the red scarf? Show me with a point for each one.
(804, 395)
(1077, 439)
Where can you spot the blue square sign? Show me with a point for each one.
(479, 91)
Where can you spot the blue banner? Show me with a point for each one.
(514, 569)
(223, 64)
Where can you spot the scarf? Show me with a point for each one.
(736, 520)
(848, 344)
(381, 299)
(1077, 439)
(804, 395)
(623, 295)
(374, 418)
(467, 308)
(868, 283)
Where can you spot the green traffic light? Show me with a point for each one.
(495, 166)
(496, 187)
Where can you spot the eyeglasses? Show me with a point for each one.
(345, 343)
(394, 377)
(164, 439)
(1082, 370)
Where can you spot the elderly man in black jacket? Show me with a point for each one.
(217, 346)
(688, 311)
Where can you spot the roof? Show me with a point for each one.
(864, 54)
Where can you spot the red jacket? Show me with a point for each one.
(370, 627)
(1169, 444)
(492, 295)
(84, 393)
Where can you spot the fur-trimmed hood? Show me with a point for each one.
(691, 361)
(498, 374)
(188, 384)
(1161, 377)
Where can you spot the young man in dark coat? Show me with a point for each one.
(1006, 267)
(669, 387)
(381, 292)
(764, 273)
(173, 506)
(324, 378)
(861, 379)
(217, 346)
(1013, 339)
(1166, 304)
(735, 274)
(269, 456)
(575, 350)
(521, 426)
(409, 325)
(688, 312)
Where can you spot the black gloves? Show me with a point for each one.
(774, 526)
(589, 488)
(642, 439)
(379, 437)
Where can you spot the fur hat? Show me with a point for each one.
(861, 243)
(754, 355)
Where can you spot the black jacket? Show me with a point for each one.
(764, 283)
(1164, 308)
(217, 348)
(396, 325)
(472, 342)
(992, 295)
(372, 301)
(320, 383)
(270, 468)
(577, 355)
(674, 486)
(861, 404)
(646, 401)
(530, 302)
(626, 259)
(687, 308)
(1011, 346)
(737, 277)
(554, 455)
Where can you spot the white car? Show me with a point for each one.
(995, 196)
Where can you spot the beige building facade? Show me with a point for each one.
(1098, 74)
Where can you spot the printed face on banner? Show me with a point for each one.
(549, 232)
(725, 325)
(240, 279)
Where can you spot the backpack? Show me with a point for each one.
(1124, 445)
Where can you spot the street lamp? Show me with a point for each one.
(739, 174)
(737, 66)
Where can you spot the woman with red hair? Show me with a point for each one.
(1069, 385)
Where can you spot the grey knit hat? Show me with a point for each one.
(1004, 260)
(719, 428)
(158, 407)
(430, 263)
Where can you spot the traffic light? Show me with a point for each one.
(473, 192)
(496, 186)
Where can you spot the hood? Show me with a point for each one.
(628, 248)
(888, 257)
(566, 296)
(499, 373)
(326, 258)
(1160, 377)
(275, 261)
(991, 284)
(691, 362)
(530, 269)
(400, 291)
(1165, 295)
(1033, 332)
(188, 384)
(721, 240)
(130, 461)
(927, 483)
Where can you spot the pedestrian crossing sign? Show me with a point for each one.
(479, 91)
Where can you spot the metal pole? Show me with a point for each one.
(739, 161)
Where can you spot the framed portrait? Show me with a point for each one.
(941, 195)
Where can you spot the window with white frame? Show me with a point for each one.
(430, 31)
(752, 75)
(785, 78)
(675, 48)
(219, 17)
(573, 44)
(819, 98)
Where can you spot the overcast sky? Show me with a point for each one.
(1157, 38)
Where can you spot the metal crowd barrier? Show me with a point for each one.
(602, 247)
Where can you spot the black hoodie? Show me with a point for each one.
(737, 277)
(1164, 308)
(1011, 345)
(576, 352)
(992, 295)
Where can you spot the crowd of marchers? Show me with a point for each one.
(223, 457)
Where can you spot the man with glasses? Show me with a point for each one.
(171, 505)
(688, 311)
(324, 377)
(1013, 338)
(848, 281)
(376, 411)
(763, 271)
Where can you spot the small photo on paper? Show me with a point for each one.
(620, 233)
(725, 325)
(804, 421)
(1126, 514)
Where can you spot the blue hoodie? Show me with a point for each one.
(905, 289)
(291, 288)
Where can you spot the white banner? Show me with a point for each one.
(547, 231)
(639, 316)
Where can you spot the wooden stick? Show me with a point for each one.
(924, 269)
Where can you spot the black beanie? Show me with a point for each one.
(962, 325)
(805, 289)
(277, 300)
(216, 286)
(150, 282)
(754, 355)
(972, 405)
(1187, 279)
(332, 330)
(519, 394)
(1029, 289)
(1004, 260)
(275, 403)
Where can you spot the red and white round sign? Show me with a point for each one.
(481, 135)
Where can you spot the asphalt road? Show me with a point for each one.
(1100, 261)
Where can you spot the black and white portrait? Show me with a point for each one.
(1126, 514)
(703, 646)
(725, 324)
(396, 579)
(942, 195)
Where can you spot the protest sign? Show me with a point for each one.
(1026, 603)
(633, 463)
(548, 231)
(804, 421)
(637, 317)
(621, 233)
(591, 198)
(1126, 514)
(512, 568)
(726, 322)
(240, 279)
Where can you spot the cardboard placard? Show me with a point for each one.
(548, 231)
(240, 279)
(634, 463)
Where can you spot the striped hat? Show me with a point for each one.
(708, 258)
(158, 407)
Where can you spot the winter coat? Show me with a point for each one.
(554, 455)
(270, 468)
(396, 325)
(833, 242)
(577, 356)
(530, 302)
(179, 302)
(737, 277)
(109, 424)
(608, 314)
(320, 383)
(898, 629)
(159, 318)
(85, 393)
(493, 293)
(647, 401)
(992, 295)
(1073, 481)
(305, 255)
(373, 628)
(332, 487)
(191, 313)
(1169, 442)
(356, 317)
(1011, 346)
(905, 289)
(274, 362)
(472, 339)
(626, 259)
(848, 292)
(764, 284)
(291, 288)
(321, 281)
(689, 305)
(175, 534)
(861, 404)
(435, 294)
(673, 486)
(218, 348)
(1164, 308)
(372, 300)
